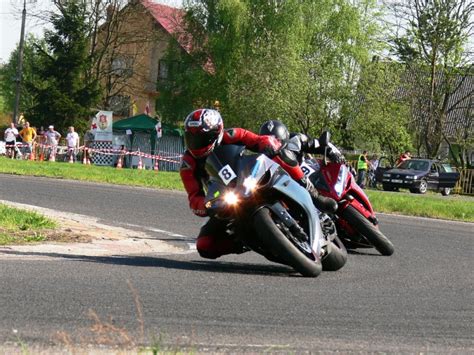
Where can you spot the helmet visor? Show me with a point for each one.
(200, 140)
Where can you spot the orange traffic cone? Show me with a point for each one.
(156, 167)
(119, 162)
(32, 154)
(140, 163)
(41, 158)
(84, 156)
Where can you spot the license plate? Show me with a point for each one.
(397, 181)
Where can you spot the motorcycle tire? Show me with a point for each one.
(281, 247)
(336, 256)
(368, 230)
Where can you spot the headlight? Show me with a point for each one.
(230, 198)
(341, 180)
(250, 184)
(386, 175)
(409, 177)
(415, 177)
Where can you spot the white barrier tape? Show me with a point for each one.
(103, 151)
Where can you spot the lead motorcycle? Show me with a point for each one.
(355, 218)
(270, 213)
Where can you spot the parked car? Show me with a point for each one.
(419, 175)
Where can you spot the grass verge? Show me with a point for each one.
(460, 208)
(21, 227)
(133, 177)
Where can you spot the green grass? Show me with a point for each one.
(459, 208)
(133, 177)
(19, 226)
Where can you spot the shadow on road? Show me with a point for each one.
(168, 263)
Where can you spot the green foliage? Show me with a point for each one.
(8, 74)
(382, 120)
(434, 49)
(63, 94)
(298, 61)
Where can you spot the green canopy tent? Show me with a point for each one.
(145, 124)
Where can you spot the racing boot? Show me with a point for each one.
(322, 203)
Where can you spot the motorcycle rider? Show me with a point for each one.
(204, 131)
(294, 145)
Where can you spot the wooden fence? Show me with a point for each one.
(465, 184)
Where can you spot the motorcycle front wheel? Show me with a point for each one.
(281, 247)
(363, 226)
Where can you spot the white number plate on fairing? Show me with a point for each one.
(227, 174)
(307, 169)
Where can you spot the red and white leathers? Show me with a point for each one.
(212, 241)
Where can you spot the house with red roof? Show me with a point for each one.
(136, 60)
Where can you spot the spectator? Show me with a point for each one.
(403, 157)
(88, 141)
(362, 166)
(52, 140)
(373, 165)
(72, 140)
(28, 134)
(10, 140)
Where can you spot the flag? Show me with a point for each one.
(134, 108)
(159, 131)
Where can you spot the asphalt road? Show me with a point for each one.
(418, 300)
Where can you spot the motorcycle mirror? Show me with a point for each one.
(324, 139)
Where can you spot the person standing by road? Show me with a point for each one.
(52, 140)
(10, 140)
(72, 140)
(403, 157)
(373, 165)
(28, 134)
(362, 166)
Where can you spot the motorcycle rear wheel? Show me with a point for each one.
(336, 256)
(275, 241)
(368, 230)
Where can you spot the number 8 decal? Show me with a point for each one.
(227, 174)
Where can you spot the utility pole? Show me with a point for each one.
(20, 65)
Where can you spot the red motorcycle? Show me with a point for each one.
(357, 225)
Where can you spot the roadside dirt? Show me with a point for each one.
(83, 235)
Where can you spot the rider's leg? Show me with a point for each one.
(214, 242)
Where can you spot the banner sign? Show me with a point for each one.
(102, 126)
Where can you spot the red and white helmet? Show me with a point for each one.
(203, 131)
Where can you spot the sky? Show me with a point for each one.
(10, 21)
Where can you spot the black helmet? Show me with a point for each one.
(275, 128)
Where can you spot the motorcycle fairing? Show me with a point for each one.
(286, 186)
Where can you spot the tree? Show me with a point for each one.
(64, 94)
(433, 45)
(294, 60)
(8, 72)
(384, 112)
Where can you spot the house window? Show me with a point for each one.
(122, 66)
(120, 105)
(163, 70)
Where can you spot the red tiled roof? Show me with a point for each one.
(172, 20)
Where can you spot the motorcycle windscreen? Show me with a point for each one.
(223, 164)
